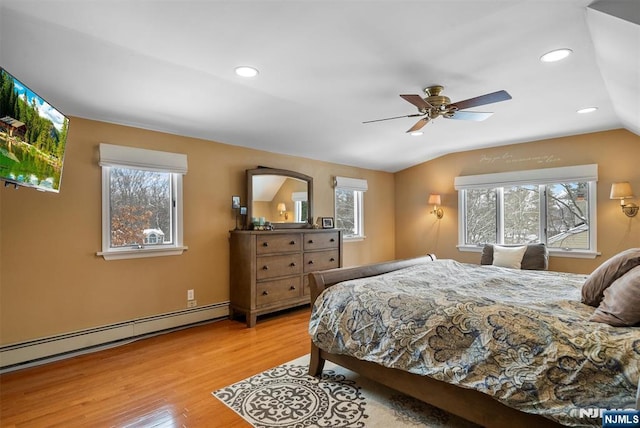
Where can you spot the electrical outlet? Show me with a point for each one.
(191, 295)
(192, 303)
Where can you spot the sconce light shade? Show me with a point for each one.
(282, 207)
(435, 200)
(623, 191)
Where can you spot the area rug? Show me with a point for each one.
(286, 396)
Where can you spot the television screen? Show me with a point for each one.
(33, 136)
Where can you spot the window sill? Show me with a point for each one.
(553, 252)
(141, 253)
(354, 239)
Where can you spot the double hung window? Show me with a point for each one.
(141, 202)
(556, 206)
(349, 207)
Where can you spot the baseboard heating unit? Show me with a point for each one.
(43, 350)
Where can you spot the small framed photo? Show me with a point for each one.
(326, 222)
(243, 210)
(235, 202)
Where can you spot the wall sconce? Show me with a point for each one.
(282, 209)
(435, 200)
(623, 191)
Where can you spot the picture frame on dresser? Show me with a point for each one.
(325, 223)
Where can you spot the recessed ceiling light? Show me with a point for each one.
(587, 110)
(246, 71)
(556, 55)
(416, 133)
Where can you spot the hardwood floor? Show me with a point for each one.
(163, 381)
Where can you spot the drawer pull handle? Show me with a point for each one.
(292, 243)
(265, 267)
(310, 262)
(292, 288)
(332, 240)
(310, 241)
(332, 259)
(265, 244)
(265, 293)
(292, 264)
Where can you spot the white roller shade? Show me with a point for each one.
(532, 176)
(149, 160)
(351, 184)
(299, 196)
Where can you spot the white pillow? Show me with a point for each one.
(509, 257)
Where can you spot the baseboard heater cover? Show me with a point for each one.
(20, 354)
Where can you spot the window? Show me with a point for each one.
(556, 206)
(141, 202)
(300, 207)
(349, 207)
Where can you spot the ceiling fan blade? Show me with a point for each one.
(477, 116)
(417, 101)
(419, 124)
(397, 117)
(493, 97)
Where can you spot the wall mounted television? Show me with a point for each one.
(33, 137)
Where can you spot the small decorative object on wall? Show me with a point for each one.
(235, 202)
(326, 222)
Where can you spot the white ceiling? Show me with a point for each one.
(327, 66)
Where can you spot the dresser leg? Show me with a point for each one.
(251, 319)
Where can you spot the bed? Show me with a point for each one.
(497, 346)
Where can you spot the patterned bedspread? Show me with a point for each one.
(522, 337)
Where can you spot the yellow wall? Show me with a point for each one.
(52, 282)
(617, 154)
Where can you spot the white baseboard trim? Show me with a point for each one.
(40, 351)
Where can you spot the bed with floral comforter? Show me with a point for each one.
(523, 337)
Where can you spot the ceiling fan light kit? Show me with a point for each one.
(435, 104)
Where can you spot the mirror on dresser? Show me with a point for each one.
(280, 197)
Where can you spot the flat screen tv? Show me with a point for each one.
(33, 137)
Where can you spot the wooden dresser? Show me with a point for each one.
(269, 268)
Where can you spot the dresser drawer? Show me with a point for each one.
(275, 266)
(321, 260)
(319, 241)
(268, 292)
(270, 244)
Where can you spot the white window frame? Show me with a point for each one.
(358, 186)
(579, 173)
(112, 156)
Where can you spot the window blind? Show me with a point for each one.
(532, 176)
(149, 160)
(351, 183)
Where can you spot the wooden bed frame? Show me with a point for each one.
(469, 404)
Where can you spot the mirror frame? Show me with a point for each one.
(291, 174)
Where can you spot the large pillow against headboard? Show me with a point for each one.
(620, 305)
(605, 274)
(536, 256)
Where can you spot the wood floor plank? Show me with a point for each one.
(163, 381)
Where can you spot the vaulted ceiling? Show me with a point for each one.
(327, 66)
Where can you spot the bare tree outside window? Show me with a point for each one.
(566, 215)
(481, 212)
(139, 201)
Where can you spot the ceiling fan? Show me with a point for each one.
(435, 105)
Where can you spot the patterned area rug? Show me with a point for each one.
(286, 396)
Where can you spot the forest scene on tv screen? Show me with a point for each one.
(33, 136)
